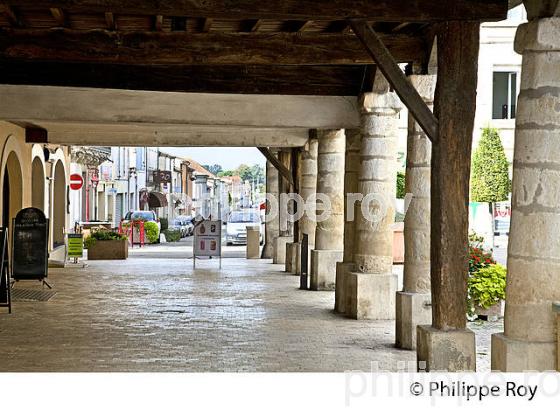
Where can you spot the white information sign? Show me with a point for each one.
(207, 239)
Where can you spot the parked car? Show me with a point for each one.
(237, 223)
(184, 224)
(146, 216)
(179, 225)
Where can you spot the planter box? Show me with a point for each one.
(491, 314)
(108, 250)
(398, 243)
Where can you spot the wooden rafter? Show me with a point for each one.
(114, 47)
(207, 25)
(255, 26)
(110, 21)
(392, 72)
(11, 15)
(59, 16)
(305, 25)
(261, 79)
(285, 172)
(158, 22)
(373, 10)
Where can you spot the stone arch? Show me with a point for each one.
(12, 188)
(59, 204)
(38, 183)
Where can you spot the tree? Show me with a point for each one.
(490, 174)
(400, 185)
(214, 169)
(490, 169)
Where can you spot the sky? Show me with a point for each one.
(228, 158)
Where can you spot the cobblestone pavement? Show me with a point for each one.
(158, 315)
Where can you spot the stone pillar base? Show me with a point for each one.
(371, 296)
(343, 269)
(279, 256)
(445, 351)
(291, 256)
(323, 268)
(510, 355)
(413, 309)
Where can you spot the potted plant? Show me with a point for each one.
(487, 291)
(106, 245)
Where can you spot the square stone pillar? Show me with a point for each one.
(351, 171)
(371, 288)
(414, 301)
(280, 249)
(272, 225)
(529, 341)
(292, 252)
(329, 236)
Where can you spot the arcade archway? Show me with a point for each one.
(59, 204)
(12, 189)
(38, 184)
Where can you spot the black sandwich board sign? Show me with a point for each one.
(30, 238)
(5, 288)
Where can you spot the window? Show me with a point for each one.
(504, 95)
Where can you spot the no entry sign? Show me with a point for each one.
(76, 182)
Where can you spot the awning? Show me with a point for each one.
(157, 200)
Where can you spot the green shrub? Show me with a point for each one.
(489, 175)
(400, 185)
(103, 235)
(151, 230)
(172, 235)
(164, 222)
(486, 287)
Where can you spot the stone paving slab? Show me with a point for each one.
(158, 315)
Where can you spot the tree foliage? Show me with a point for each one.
(489, 174)
(400, 185)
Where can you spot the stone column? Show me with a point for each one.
(371, 288)
(351, 171)
(413, 303)
(272, 226)
(285, 236)
(533, 280)
(329, 233)
(307, 188)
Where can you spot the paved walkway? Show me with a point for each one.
(158, 315)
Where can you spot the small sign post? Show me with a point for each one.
(30, 256)
(5, 288)
(75, 246)
(76, 182)
(207, 240)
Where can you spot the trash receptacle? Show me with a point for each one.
(253, 242)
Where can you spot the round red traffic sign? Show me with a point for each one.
(76, 182)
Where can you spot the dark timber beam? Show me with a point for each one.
(392, 72)
(10, 15)
(36, 135)
(102, 46)
(455, 106)
(237, 79)
(59, 16)
(373, 10)
(284, 171)
(110, 21)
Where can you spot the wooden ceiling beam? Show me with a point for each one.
(102, 46)
(59, 16)
(110, 21)
(373, 10)
(287, 80)
(207, 25)
(11, 15)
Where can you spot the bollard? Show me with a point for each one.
(253, 242)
